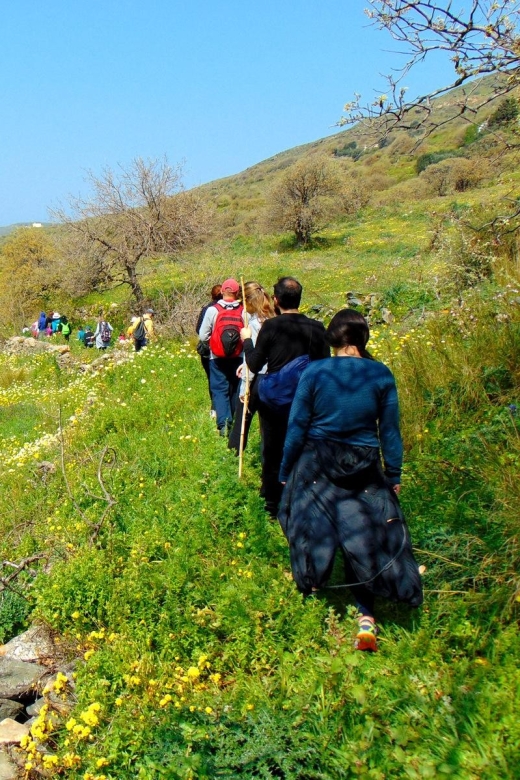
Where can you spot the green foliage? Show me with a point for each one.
(431, 158)
(14, 610)
(507, 111)
(471, 135)
(348, 150)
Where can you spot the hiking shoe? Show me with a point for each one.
(366, 637)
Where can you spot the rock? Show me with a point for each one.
(34, 709)
(10, 709)
(11, 732)
(33, 645)
(18, 678)
(8, 770)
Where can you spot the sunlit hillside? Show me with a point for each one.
(182, 647)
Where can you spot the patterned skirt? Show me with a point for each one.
(338, 497)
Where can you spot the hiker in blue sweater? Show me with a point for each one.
(337, 494)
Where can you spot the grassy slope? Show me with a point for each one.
(201, 659)
(201, 656)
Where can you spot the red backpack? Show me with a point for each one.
(225, 341)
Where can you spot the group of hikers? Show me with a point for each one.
(48, 325)
(141, 330)
(324, 424)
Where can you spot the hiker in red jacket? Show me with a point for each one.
(220, 329)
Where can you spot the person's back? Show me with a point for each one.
(354, 401)
(285, 338)
(220, 329)
(281, 341)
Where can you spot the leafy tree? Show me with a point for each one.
(507, 111)
(481, 37)
(27, 275)
(305, 199)
(134, 213)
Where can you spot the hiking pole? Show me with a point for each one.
(246, 394)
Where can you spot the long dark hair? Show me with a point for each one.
(348, 328)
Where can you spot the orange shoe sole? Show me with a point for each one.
(366, 640)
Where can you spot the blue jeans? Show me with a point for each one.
(224, 384)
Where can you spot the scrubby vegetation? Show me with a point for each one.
(162, 572)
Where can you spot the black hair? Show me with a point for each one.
(288, 292)
(349, 328)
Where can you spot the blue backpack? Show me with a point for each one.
(277, 390)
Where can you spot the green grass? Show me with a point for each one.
(202, 659)
(165, 576)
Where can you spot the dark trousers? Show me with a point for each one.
(224, 385)
(363, 597)
(139, 344)
(274, 428)
(204, 361)
(252, 407)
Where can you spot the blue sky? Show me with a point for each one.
(221, 86)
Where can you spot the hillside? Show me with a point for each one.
(187, 651)
(240, 197)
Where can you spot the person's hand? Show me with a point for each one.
(245, 333)
(239, 370)
(397, 489)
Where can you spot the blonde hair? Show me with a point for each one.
(257, 301)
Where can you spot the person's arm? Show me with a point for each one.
(389, 432)
(299, 424)
(200, 319)
(256, 355)
(96, 332)
(207, 324)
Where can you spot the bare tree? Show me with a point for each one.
(304, 199)
(481, 37)
(134, 213)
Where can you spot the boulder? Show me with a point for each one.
(33, 710)
(10, 709)
(18, 678)
(33, 645)
(8, 770)
(11, 732)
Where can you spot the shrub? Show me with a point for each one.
(507, 111)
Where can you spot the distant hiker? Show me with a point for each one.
(64, 327)
(103, 334)
(43, 321)
(260, 308)
(337, 495)
(55, 322)
(33, 330)
(142, 330)
(220, 329)
(203, 346)
(88, 338)
(285, 344)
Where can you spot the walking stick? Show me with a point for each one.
(246, 394)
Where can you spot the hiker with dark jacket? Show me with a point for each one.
(220, 329)
(202, 347)
(281, 341)
(43, 321)
(337, 495)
